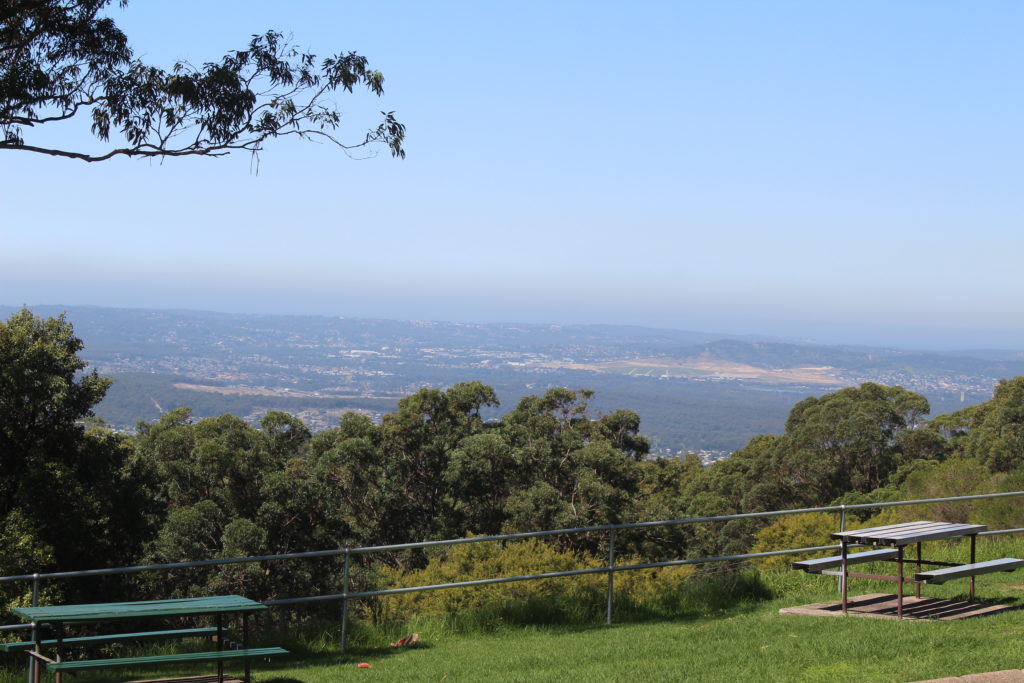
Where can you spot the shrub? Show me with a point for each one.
(793, 531)
(549, 599)
(638, 594)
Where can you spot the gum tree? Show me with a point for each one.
(68, 495)
(62, 60)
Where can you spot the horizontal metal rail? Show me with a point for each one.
(609, 569)
(170, 565)
(576, 572)
(501, 537)
(545, 575)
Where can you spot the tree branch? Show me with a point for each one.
(73, 61)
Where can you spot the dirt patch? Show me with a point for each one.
(275, 392)
(230, 391)
(711, 368)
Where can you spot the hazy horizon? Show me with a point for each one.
(710, 331)
(845, 173)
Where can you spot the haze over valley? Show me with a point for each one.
(694, 391)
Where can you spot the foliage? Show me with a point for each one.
(949, 479)
(473, 561)
(571, 470)
(660, 496)
(852, 439)
(41, 394)
(660, 592)
(995, 429)
(957, 476)
(230, 490)
(20, 550)
(793, 531)
(1002, 513)
(47, 454)
(387, 481)
(436, 469)
(61, 60)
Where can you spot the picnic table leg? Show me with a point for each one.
(917, 569)
(899, 582)
(245, 641)
(845, 572)
(220, 646)
(973, 538)
(34, 666)
(60, 650)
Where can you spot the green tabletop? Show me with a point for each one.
(149, 608)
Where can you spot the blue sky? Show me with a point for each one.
(838, 171)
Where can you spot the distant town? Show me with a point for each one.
(695, 392)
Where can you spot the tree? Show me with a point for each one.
(849, 441)
(227, 489)
(995, 429)
(48, 453)
(59, 59)
(388, 480)
(570, 470)
(852, 439)
(42, 395)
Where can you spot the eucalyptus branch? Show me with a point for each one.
(61, 60)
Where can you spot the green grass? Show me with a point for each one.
(746, 640)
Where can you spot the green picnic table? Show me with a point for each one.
(57, 616)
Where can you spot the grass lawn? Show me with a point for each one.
(745, 643)
(748, 641)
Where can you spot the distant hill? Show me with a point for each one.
(693, 390)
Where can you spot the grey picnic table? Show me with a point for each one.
(898, 537)
(57, 616)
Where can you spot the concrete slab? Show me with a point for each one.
(883, 606)
(1008, 676)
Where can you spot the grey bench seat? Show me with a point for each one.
(114, 638)
(181, 658)
(819, 564)
(1004, 564)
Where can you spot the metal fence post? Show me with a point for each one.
(35, 633)
(611, 574)
(842, 528)
(344, 605)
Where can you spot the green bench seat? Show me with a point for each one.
(115, 638)
(1004, 564)
(819, 564)
(181, 658)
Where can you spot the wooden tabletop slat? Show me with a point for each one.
(909, 532)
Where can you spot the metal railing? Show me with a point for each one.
(610, 569)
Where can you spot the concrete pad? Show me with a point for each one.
(883, 606)
(1008, 676)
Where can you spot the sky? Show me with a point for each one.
(844, 172)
